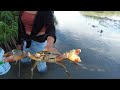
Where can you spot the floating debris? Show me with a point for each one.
(94, 26)
(101, 31)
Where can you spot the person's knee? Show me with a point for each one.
(25, 60)
(42, 67)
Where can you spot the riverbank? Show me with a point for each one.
(101, 14)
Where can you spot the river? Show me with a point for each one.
(99, 40)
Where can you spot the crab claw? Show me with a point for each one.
(9, 59)
(77, 51)
(77, 60)
(73, 55)
(7, 54)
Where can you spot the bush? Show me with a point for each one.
(8, 29)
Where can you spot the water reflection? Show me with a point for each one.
(100, 45)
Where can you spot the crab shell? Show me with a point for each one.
(37, 55)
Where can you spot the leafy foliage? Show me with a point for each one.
(8, 29)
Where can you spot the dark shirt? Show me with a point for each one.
(42, 18)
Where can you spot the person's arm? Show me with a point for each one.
(50, 27)
(50, 40)
(50, 30)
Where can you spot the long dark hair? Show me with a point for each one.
(20, 12)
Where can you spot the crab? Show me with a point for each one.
(45, 56)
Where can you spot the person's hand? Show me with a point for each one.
(50, 48)
(50, 41)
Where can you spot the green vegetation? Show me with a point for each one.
(8, 29)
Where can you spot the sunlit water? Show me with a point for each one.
(99, 43)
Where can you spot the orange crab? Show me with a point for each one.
(14, 55)
(44, 56)
(73, 55)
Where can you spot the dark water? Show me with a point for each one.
(99, 41)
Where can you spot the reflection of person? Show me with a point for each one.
(36, 32)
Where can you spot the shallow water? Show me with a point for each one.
(99, 43)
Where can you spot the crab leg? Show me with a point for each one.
(19, 70)
(62, 65)
(33, 67)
